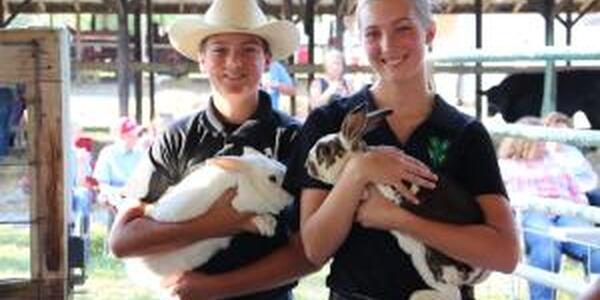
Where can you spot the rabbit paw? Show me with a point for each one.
(266, 224)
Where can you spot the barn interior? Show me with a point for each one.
(134, 51)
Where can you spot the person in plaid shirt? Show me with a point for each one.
(529, 168)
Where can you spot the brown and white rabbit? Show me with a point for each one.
(448, 202)
(258, 179)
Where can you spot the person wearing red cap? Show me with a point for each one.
(116, 162)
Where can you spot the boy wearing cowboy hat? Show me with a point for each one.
(234, 44)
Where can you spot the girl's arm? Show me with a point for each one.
(493, 245)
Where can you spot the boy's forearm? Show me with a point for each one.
(283, 266)
(143, 236)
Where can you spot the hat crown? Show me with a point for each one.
(243, 14)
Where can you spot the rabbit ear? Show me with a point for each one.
(358, 122)
(354, 123)
(375, 118)
(227, 163)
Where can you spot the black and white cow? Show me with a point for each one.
(521, 94)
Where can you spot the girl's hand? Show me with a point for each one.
(391, 166)
(378, 212)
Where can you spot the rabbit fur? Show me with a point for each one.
(444, 275)
(258, 179)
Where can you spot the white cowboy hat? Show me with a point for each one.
(233, 16)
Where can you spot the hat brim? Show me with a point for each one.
(186, 34)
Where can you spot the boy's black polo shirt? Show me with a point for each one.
(192, 140)
(369, 262)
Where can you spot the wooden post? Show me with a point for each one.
(286, 8)
(123, 58)
(309, 29)
(39, 58)
(150, 40)
(137, 57)
(339, 24)
(478, 44)
(549, 100)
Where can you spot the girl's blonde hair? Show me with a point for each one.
(423, 8)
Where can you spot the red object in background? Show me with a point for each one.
(302, 55)
(86, 143)
(91, 182)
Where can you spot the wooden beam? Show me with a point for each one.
(187, 68)
(177, 7)
(586, 8)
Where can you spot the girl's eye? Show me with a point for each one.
(371, 35)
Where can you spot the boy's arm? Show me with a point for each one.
(136, 235)
(283, 266)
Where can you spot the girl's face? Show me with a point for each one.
(394, 38)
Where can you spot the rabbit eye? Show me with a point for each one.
(273, 178)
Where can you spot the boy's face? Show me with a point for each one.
(234, 63)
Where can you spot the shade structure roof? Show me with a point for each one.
(296, 6)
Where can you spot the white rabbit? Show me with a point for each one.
(258, 179)
(444, 275)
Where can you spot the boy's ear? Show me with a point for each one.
(268, 60)
(200, 58)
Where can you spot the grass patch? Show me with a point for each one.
(106, 278)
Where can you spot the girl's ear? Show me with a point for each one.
(430, 33)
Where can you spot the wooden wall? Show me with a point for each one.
(39, 58)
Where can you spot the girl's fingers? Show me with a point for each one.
(406, 193)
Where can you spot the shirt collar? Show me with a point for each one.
(213, 120)
(442, 114)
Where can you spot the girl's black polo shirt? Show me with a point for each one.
(192, 140)
(369, 262)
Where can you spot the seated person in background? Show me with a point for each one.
(573, 160)
(333, 85)
(116, 163)
(277, 81)
(83, 183)
(528, 168)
